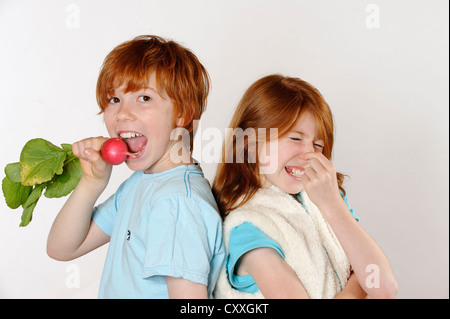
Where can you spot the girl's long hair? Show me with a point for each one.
(274, 101)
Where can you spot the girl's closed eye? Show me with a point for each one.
(319, 146)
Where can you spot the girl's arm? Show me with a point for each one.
(273, 276)
(277, 280)
(369, 262)
(73, 233)
(352, 289)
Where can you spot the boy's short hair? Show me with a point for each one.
(178, 73)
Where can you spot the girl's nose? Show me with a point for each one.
(305, 148)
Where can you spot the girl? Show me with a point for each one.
(288, 230)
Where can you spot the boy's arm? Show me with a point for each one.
(73, 233)
(180, 288)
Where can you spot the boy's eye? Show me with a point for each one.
(144, 98)
(296, 138)
(113, 100)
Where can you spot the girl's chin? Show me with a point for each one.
(286, 186)
(293, 185)
(293, 190)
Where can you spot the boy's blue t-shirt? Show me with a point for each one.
(244, 238)
(163, 224)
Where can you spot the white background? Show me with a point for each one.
(381, 65)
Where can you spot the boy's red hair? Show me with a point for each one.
(178, 73)
(273, 101)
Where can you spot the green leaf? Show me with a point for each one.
(34, 195)
(30, 204)
(40, 160)
(13, 172)
(44, 166)
(27, 215)
(62, 185)
(67, 147)
(14, 192)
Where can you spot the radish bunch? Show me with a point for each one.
(50, 170)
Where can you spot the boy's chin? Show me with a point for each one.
(135, 165)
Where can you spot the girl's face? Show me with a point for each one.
(284, 165)
(144, 120)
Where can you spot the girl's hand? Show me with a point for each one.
(95, 170)
(320, 181)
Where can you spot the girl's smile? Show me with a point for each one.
(295, 171)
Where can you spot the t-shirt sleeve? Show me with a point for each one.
(180, 239)
(350, 208)
(104, 214)
(244, 238)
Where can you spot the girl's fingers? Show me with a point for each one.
(317, 166)
(326, 163)
(309, 175)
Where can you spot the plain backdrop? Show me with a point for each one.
(381, 65)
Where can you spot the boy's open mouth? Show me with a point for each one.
(135, 141)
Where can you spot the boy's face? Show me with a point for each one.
(144, 120)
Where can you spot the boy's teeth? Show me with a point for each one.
(129, 135)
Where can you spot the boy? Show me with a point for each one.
(162, 223)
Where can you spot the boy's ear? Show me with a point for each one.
(183, 121)
(180, 121)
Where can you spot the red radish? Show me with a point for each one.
(114, 151)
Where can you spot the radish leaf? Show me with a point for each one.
(62, 185)
(40, 160)
(44, 166)
(15, 193)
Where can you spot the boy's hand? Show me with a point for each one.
(95, 169)
(320, 181)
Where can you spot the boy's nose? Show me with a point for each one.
(125, 112)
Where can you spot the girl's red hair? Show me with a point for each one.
(273, 101)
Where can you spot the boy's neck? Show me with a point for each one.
(177, 155)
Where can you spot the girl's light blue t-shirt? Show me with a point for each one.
(244, 238)
(164, 224)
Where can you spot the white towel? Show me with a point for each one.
(307, 240)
